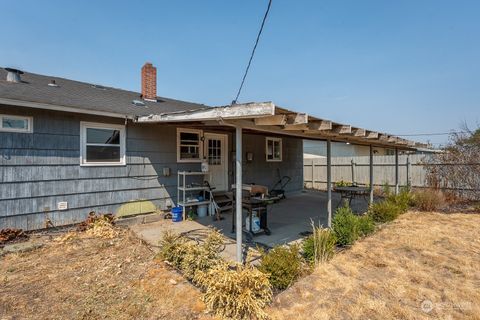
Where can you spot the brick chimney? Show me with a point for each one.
(149, 82)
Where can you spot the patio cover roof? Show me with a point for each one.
(267, 117)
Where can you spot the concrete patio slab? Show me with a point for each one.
(288, 220)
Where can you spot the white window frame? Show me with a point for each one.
(29, 121)
(200, 145)
(267, 139)
(83, 143)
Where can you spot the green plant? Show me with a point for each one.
(386, 189)
(283, 265)
(428, 199)
(342, 183)
(404, 199)
(320, 246)
(366, 225)
(345, 226)
(235, 292)
(384, 211)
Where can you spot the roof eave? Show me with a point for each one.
(47, 106)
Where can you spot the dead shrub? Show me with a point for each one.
(102, 228)
(235, 292)
(188, 256)
(12, 234)
(94, 218)
(429, 199)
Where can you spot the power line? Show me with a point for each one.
(430, 134)
(253, 52)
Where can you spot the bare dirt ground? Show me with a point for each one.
(87, 277)
(421, 266)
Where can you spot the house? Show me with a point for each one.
(318, 149)
(68, 147)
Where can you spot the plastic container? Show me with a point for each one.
(255, 222)
(202, 210)
(177, 213)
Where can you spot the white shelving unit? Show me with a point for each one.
(183, 188)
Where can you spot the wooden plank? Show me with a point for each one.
(371, 135)
(237, 111)
(320, 125)
(359, 132)
(342, 129)
(276, 120)
(297, 118)
(392, 139)
(295, 127)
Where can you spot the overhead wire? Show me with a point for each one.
(253, 52)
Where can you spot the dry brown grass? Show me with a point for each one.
(84, 277)
(418, 257)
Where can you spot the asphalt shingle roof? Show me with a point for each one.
(86, 96)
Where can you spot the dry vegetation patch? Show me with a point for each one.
(420, 257)
(102, 274)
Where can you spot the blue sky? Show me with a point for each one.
(395, 66)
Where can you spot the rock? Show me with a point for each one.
(172, 281)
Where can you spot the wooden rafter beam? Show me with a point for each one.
(359, 132)
(297, 118)
(371, 135)
(276, 120)
(320, 125)
(295, 127)
(341, 129)
(392, 139)
(383, 137)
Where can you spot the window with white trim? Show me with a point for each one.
(102, 144)
(15, 123)
(273, 149)
(189, 145)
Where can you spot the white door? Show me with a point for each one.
(216, 154)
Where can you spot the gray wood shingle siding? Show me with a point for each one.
(40, 169)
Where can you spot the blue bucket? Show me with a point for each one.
(177, 213)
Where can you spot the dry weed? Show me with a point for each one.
(94, 278)
(235, 292)
(418, 259)
(102, 229)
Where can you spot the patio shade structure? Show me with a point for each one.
(269, 118)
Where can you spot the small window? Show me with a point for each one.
(274, 149)
(15, 123)
(102, 144)
(189, 145)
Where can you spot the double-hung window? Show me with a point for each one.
(15, 123)
(273, 149)
(102, 144)
(189, 145)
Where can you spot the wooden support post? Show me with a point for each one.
(238, 190)
(353, 171)
(397, 186)
(371, 174)
(313, 174)
(409, 183)
(329, 183)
